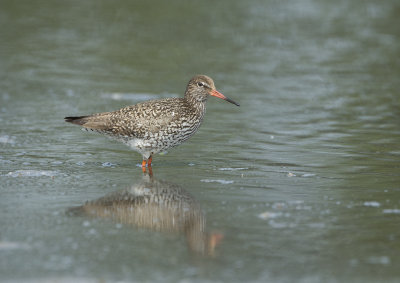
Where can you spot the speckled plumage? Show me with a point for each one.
(156, 125)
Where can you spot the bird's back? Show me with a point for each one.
(164, 122)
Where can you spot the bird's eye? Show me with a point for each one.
(200, 84)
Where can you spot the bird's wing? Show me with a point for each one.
(136, 120)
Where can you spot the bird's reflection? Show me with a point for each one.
(158, 206)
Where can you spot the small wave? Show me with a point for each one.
(32, 173)
(224, 182)
(232, 169)
(391, 211)
(372, 203)
(7, 139)
(108, 164)
(4, 245)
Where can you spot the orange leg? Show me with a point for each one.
(148, 163)
(144, 166)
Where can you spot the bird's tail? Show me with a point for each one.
(98, 122)
(78, 120)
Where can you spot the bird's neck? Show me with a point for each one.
(199, 106)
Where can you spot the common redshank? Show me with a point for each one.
(153, 126)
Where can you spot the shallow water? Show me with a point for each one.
(301, 183)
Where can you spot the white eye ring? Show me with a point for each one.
(201, 84)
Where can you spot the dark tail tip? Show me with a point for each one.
(79, 120)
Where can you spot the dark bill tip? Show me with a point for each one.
(231, 101)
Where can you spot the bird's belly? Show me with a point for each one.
(157, 142)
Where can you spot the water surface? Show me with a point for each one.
(301, 183)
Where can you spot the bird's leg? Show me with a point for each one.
(144, 166)
(149, 165)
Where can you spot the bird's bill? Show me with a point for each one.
(220, 95)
